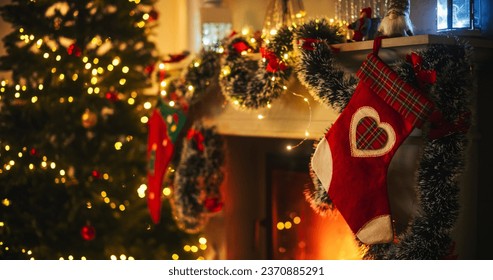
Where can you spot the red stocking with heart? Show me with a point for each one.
(352, 159)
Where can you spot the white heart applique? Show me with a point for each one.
(358, 116)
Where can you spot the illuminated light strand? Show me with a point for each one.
(290, 147)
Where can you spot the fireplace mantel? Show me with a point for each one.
(290, 117)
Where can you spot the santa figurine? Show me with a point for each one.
(362, 25)
(396, 22)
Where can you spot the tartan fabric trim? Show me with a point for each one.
(368, 136)
(414, 106)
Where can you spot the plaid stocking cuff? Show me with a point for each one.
(401, 96)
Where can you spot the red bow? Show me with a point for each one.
(241, 46)
(308, 43)
(198, 137)
(424, 77)
(273, 63)
(440, 127)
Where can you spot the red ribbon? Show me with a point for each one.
(273, 63)
(241, 46)
(440, 127)
(308, 43)
(424, 77)
(198, 137)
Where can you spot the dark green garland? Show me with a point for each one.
(197, 178)
(200, 74)
(442, 160)
(245, 80)
(315, 66)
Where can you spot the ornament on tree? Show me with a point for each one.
(89, 119)
(164, 127)
(88, 232)
(380, 115)
(74, 50)
(396, 22)
(111, 95)
(96, 174)
(153, 15)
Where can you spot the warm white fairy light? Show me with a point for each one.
(147, 105)
(144, 119)
(307, 134)
(118, 145)
(6, 202)
(141, 190)
(167, 191)
(116, 61)
(141, 24)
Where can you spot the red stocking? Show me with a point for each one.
(353, 158)
(164, 126)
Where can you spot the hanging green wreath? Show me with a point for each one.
(191, 85)
(442, 159)
(196, 180)
(253, 76)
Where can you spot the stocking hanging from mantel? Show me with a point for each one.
(352, 159)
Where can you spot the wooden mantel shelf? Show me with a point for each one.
(290, 117)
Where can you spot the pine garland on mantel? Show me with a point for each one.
(253, 74)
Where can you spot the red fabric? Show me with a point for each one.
(358, 187)
(273, 63)
(160, 150)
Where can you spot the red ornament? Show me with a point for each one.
(111, 96)
(241, 47)
(33, 152)
(88, 232)
(149, 69)
(74, 50)
(153, 15)
(213, 204)
(96, 174)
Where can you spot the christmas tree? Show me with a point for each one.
(73, 134)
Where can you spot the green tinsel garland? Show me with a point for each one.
(251, 82)
(197, 178)
(194, 80)
(442, 159)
